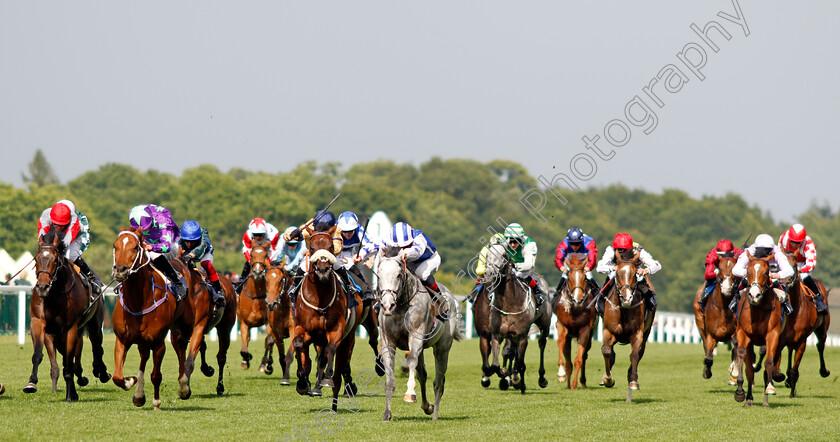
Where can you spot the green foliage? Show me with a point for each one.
(40, 172)
(456, 202)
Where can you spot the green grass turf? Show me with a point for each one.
(674, 403)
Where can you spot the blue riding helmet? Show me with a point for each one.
(323, 221)
(348, 222)
(191, 231)
(575, 235)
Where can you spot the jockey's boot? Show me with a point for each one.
(437, 298)
(475, 291)
(819, 300)
(297, 281)
(218, 295)
(539, 295)
(781, 294)
(561, 284)
(601, 297)
(178, 288)
(593, 285)
(243, 276)
(649, 295)
(350, 288)
(366, 293)
(95, 282)
(707, 290)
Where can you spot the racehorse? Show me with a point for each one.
(717, 322)
(576, 318)
(143, 315)
(801, 322)
(513, 310)
(60, 313)
(252, 310)
(626, 321)
(281, 323)
(323, 319)
(759, 323)
(407, 323)
(223, 324)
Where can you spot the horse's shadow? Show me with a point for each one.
(641, 400)
(214, 395)
(425, 418)
(187, 408)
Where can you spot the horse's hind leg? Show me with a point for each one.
(221, 357)
(372, 328)
(519, 365)
(609, 359)
(49, 343)
(793, 372)
(120, 352)
(246, 338)
(484, 348)
(36, 329)
(139, 398)
(77, 370)
(157, 377)
(206, 369)
(709, 344)
(266, 365)
(543, 382)
(70, 343)
(94, 331)
(422, 375)
(822, 334)
(179, 344)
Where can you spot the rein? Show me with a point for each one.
(140, 260)
(528, 301)
(62, 264)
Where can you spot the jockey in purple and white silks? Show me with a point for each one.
(762, 247)
(353, 238)
(160, 234)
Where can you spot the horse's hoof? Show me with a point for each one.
(748, 403)
(315, 392)
(268, 370)
(707, 373)
(787, 382)
(285, 382)
(104, 377)
(778, 377)
(386, 416)
(634, 385)
(82, 381)
(410, 398)
(72, 397)
(429, 410)
(262, 368)
(733, 380)
(302, 387)
(608, 382)
(30, 388)
(138, 401)
(379, 367)
(207, 370)
(504, 384)
(350, 390)
(156, 403)
(326, 383)
(2, 388)
(485, 381)
(770, 390)
(245, 365)
(543, 382)
(740, 396)
(824, 373)
(220, 389)
(561, 378)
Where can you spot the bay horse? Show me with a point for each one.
(143, 316)
(513, 311)
(223, 324)
(252, 310)
(576, 318)
(281, 322)
(626, 321)
(801, 322)
(60, 313)
(717, 322)
(408, 324)
(759, 323)
(323, 319)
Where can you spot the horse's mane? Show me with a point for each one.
(49, 239)
(391, 252)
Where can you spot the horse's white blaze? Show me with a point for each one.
(45, 254)
(726, 285)
(125, 241)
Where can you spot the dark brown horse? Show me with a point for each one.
(223, 325)
(323, 319)
(801, 322)
(759, 323)
(625, 322)
(252, 310)
(281, 323)
(143, 315)
(59, 307)
(576, 318)
(717, 323)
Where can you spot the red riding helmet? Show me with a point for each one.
(60, 214)
(623, 241)
(724, 246)
(797, 233)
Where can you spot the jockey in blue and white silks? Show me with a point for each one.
(353, 238)
(291, 250)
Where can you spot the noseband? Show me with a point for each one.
(139, 261)
(62, 263)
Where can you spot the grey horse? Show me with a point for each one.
(512, 311)
(406, 322)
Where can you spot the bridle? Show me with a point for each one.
(762, 287)
(401, 282)
(282, 283)
(506, 271)
(634, 287)
(141, 259)
(568, 293)
(62, 264)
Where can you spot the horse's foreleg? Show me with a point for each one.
(637, 343)
(157, 376)
(94, 329)
(519, 365)
(387, 355)
(329, 353)
(709, 344)
(486, 371)
(120, 352)
(179, 341)
(422, 375)
(740, 359)
(304, 363)
(70, 362)
(609, 359)
(543, 340)
(266, 364)
(244, 333)
(494, 366)
(414, 355)
(793, 372)
(221, 358)
(139, 398)
(77, 358)
(822, 334)
(49, 343)
(36, 329)
(564, 362)
(206, 369)
(584, 344)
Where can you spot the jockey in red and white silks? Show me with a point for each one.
(796, 240)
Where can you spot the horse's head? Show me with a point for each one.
(791, 257)
(259, 259)
(275, 286)
(758, 277)
(498, 265)
(321, 258)
(724, 276)
(391, 274)
(625, 280)
(48, 262)
(576, 285)
(129, 255)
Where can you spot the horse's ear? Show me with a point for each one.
(749, 255)
(332, 230)
(56, 240)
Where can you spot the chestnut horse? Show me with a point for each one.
(143, 315)
(59, 308)
(801, 322)
(717, 323)
(223, 324)
(252, 310)
(759, 323)
(281, 323)
(625, 322)
(323, 319)
(576, 318)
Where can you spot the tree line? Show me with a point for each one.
(456, 202)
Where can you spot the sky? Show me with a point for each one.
(266, 85)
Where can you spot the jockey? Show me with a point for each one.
(577, 242)
(289, 251)
(797, 241)
(623, 247)
(72, 227)
(420, 255)
(761, 248)
(195, 246)
(259, 230)
(353, 237)
(481, 267)
(723, 249)
(160, 233)
(522, 250)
